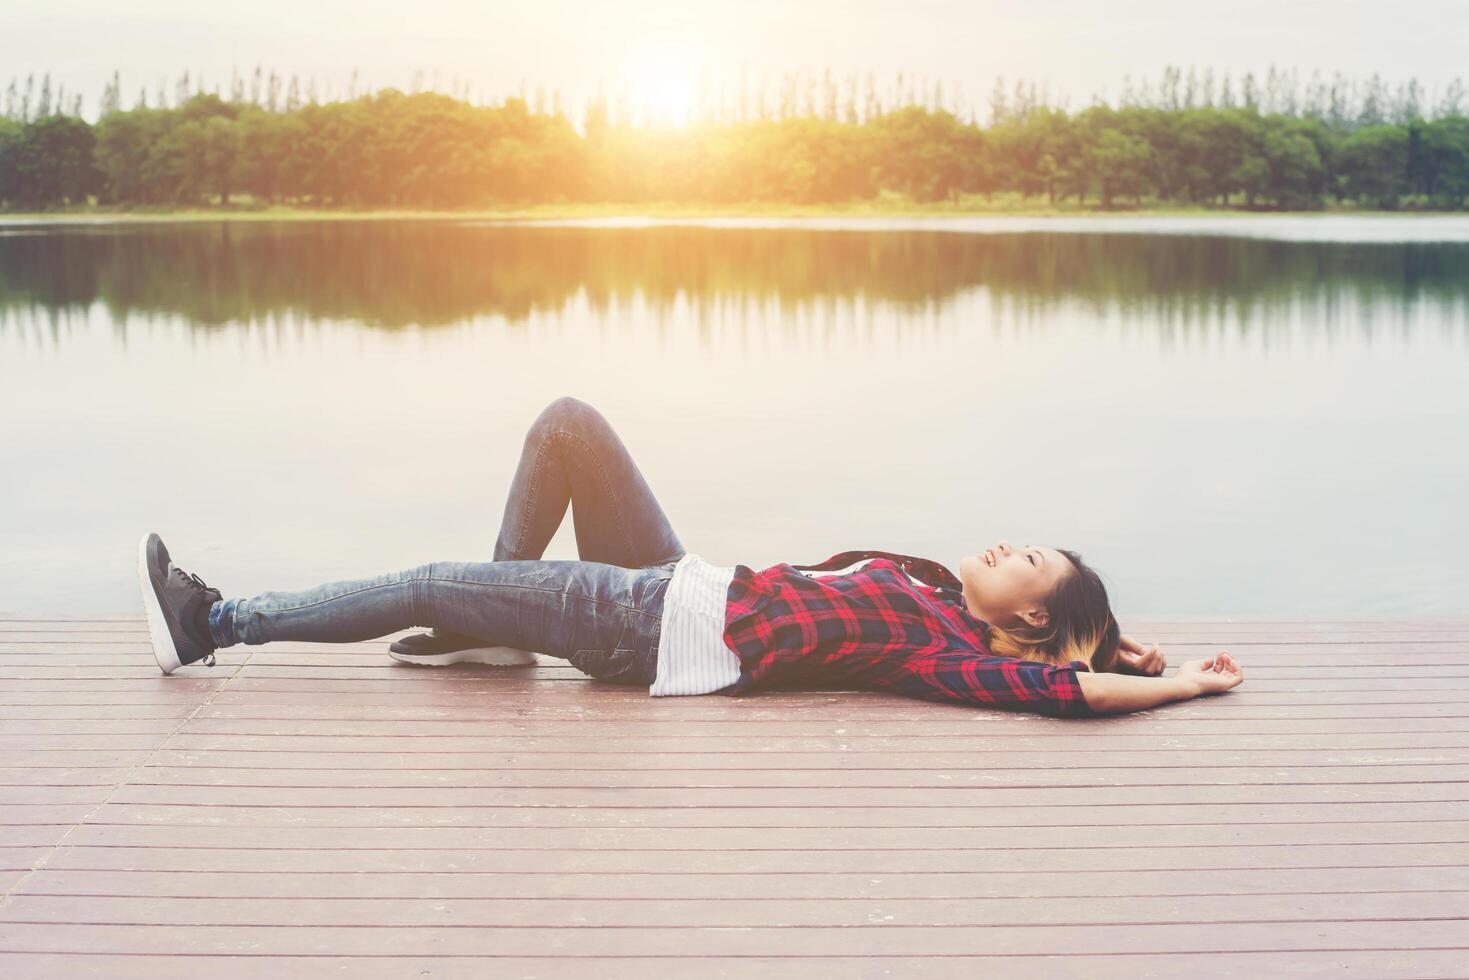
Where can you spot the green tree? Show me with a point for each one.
(126, 148)
(10, 141)
(49, 162)
(927, 155)
(1374, 165)
(1119, 163)
(1292, 157)
(1445, 161)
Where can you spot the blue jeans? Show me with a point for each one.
(602, 613)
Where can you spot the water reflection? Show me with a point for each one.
(397, 274)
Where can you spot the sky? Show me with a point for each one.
(656, 49)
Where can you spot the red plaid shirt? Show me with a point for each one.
(876, 629)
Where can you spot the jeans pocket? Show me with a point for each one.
(651, 592)
(619, 665)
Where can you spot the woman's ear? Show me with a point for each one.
(1037, 617)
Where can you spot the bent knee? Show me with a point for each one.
(565, 412)
(567, 406)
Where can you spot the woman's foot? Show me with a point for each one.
(177, 604)
(436, 649)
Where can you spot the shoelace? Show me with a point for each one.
(197, 584)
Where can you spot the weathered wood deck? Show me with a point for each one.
(305, 810)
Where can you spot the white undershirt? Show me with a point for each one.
(692, 655)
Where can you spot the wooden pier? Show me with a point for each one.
(305, 810)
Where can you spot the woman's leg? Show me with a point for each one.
(604, 619)
(572, 455)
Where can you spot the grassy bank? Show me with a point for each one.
(888, 207)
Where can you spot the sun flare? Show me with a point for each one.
(663, 83)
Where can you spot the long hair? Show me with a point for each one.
(1080, 627)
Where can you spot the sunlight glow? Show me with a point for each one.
(663, 83)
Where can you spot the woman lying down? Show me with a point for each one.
(1022, 627)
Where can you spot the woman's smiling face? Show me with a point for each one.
(1006, 586)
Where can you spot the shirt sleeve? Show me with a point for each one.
(975, 678)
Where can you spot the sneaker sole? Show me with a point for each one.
(158, 632)
(494, 656)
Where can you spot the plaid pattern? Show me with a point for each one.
(877, 629)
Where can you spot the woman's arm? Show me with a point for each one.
(1116, 693)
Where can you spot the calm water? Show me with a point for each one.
(1238, 417)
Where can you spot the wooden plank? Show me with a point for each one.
(1397, 964)
(1238, 707)
(32, 835)
(917, 817)
(69, 712)
(482, 714)
(489, 718)
(51, 669)
(596, 887)
(425, 752)
(1407, 935)
(1029, 857)
(1203, 794)
(413, 737)
(21, 858)
(13, 745)
(66, 814)
(48, 776)
(743, 839)
(73, 758)
(93, 726)
(138, 663)
(196, 683)
(28, 696)
(35, 795)
(733, 776)
(734, 913)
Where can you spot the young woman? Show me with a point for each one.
(1021, 627)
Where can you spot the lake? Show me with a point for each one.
(1229, 417)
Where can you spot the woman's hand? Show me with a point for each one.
(1213, 675)
(1109, 693)
(1139, 659)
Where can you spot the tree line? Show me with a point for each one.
(1184, 140)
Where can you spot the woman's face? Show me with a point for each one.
(1011, 591)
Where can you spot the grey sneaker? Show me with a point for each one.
(435, 649)
(177, 605)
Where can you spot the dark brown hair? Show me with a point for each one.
(1080, 624)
